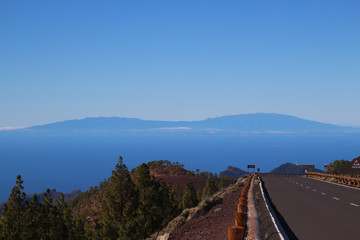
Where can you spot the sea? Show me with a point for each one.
(67, 163)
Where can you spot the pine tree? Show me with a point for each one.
(45, 217)
(78, 230)
(189, 197)
(148, 210)
(119, 205)
(176, 196)
(169, 203)
(92, 232)
(156, 207)
(23, 220)
(62, 219)
(210, 187)
(11, 224)
(221, 184)
(30, 220)
(51, 224)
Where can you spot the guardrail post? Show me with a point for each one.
(241, 207)
(242, 201)
(236, 233)
(240, 219)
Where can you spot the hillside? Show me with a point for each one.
(128, 205)
(269, 123)
(292, 168)
(233, 172)
(344, 167)
(88, 204)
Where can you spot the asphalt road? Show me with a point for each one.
(316, 210)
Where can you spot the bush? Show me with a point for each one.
(333, 180)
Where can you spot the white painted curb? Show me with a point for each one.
(274, 219)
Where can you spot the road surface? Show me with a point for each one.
(316, 210)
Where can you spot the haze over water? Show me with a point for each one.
(69, 163)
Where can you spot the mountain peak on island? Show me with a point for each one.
(233, 172)
(254, 123)
(292, 168)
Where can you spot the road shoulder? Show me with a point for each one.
(268, 229)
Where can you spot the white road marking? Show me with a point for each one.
(336, 198)
(355, 205)
(323, 193)
(307, 187)
(271, 212)
(341, 185)
(314, 190)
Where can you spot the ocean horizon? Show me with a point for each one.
(68, 163)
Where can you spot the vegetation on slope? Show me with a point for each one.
(344, 167)
(21, 219)
(129, 205)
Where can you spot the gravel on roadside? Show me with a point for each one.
(212, 225)
(268, 229)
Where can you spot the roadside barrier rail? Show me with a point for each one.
(239, 230)
(254, 232)
(278, 175)
(346, 180)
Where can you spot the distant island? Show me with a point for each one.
(233, 172)
(257, 123)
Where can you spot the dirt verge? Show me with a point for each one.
(269, 232)
(209, 220)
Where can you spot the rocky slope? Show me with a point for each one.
(209, 220)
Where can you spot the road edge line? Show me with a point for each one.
(274, 219)
(338, 184)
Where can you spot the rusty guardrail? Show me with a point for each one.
(238, 231)
(278, 175)
(346, 180)
(254, 232)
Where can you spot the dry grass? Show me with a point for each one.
(333, 180)
(218, 209)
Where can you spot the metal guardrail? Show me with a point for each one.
(346, 180)
(239, 230)
(279, 175)
(254, 232)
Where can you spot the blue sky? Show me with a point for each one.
(178, 60)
